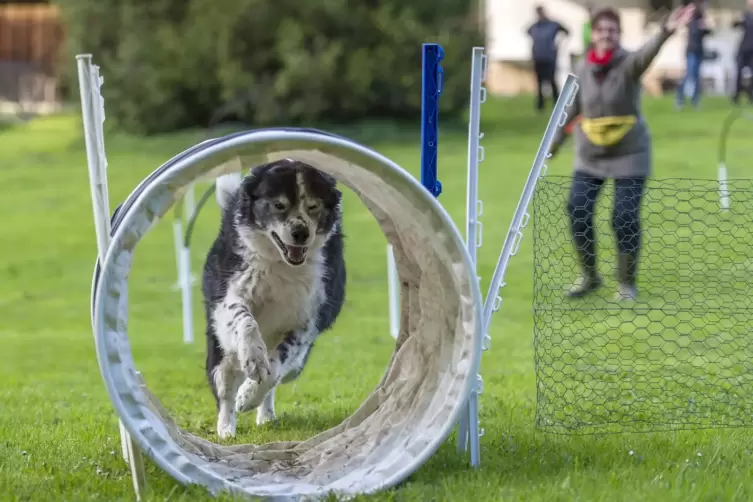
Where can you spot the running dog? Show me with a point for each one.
(273, 281)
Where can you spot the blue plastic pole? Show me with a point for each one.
(431, 88)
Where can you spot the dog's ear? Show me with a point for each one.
(336, 194)
(251, 182)
(328, 178)
(327, 184)
(249, 192)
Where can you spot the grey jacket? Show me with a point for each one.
(613, 90)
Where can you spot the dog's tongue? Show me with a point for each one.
(296, 253)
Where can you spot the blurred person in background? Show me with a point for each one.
(544, 36)
(698, 29)
(612, 140)
(744, 53)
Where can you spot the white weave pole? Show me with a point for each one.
(473, 231)
(493, 300)
(723, 188)
(185, 278)
(93, 114)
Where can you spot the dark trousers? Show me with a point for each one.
(626, 222)
(745, 58)
(692, 76)
(545, 76)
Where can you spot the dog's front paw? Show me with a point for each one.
(250, 395)
(255, 362)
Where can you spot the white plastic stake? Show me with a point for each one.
(723, 188)
(92, 110)
(97, 168)
(185, 281)
(468, 425)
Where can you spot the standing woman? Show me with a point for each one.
(612, 140)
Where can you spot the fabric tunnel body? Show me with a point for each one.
(421, 395)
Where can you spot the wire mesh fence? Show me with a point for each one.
(678, 356)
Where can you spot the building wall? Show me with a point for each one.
(31, 41)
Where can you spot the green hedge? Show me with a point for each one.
(171, 64)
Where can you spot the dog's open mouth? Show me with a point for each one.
(294, 255)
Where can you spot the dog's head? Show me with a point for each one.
(287, 209)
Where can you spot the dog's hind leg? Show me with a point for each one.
(290, 357)
(293, 353)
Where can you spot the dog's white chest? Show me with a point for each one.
(281, 298)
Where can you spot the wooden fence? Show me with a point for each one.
(31, 41)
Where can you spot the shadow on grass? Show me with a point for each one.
(289, 426)
(292, 422)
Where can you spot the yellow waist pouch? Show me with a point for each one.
(607, 131)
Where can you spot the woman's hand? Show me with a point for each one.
(679, 17)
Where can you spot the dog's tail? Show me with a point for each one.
(226, 186)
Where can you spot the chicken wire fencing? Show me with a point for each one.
(678, 356)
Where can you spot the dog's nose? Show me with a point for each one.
(300, 234)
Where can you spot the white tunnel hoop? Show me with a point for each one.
(122, 381)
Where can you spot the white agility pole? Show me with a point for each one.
(473, 229)
(721, 172)
(493, 300)
(185, 278)
(723, 188)
(722, 175)
(92, 111)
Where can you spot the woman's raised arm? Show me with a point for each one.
(640, 60)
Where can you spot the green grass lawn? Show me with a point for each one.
(58, 432)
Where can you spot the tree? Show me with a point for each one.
(170, 64)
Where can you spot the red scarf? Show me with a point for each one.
(599, 60)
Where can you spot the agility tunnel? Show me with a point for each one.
(418, 401)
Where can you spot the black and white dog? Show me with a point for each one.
(274, 280)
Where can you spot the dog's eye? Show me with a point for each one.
(313, 207)
(279, 206)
